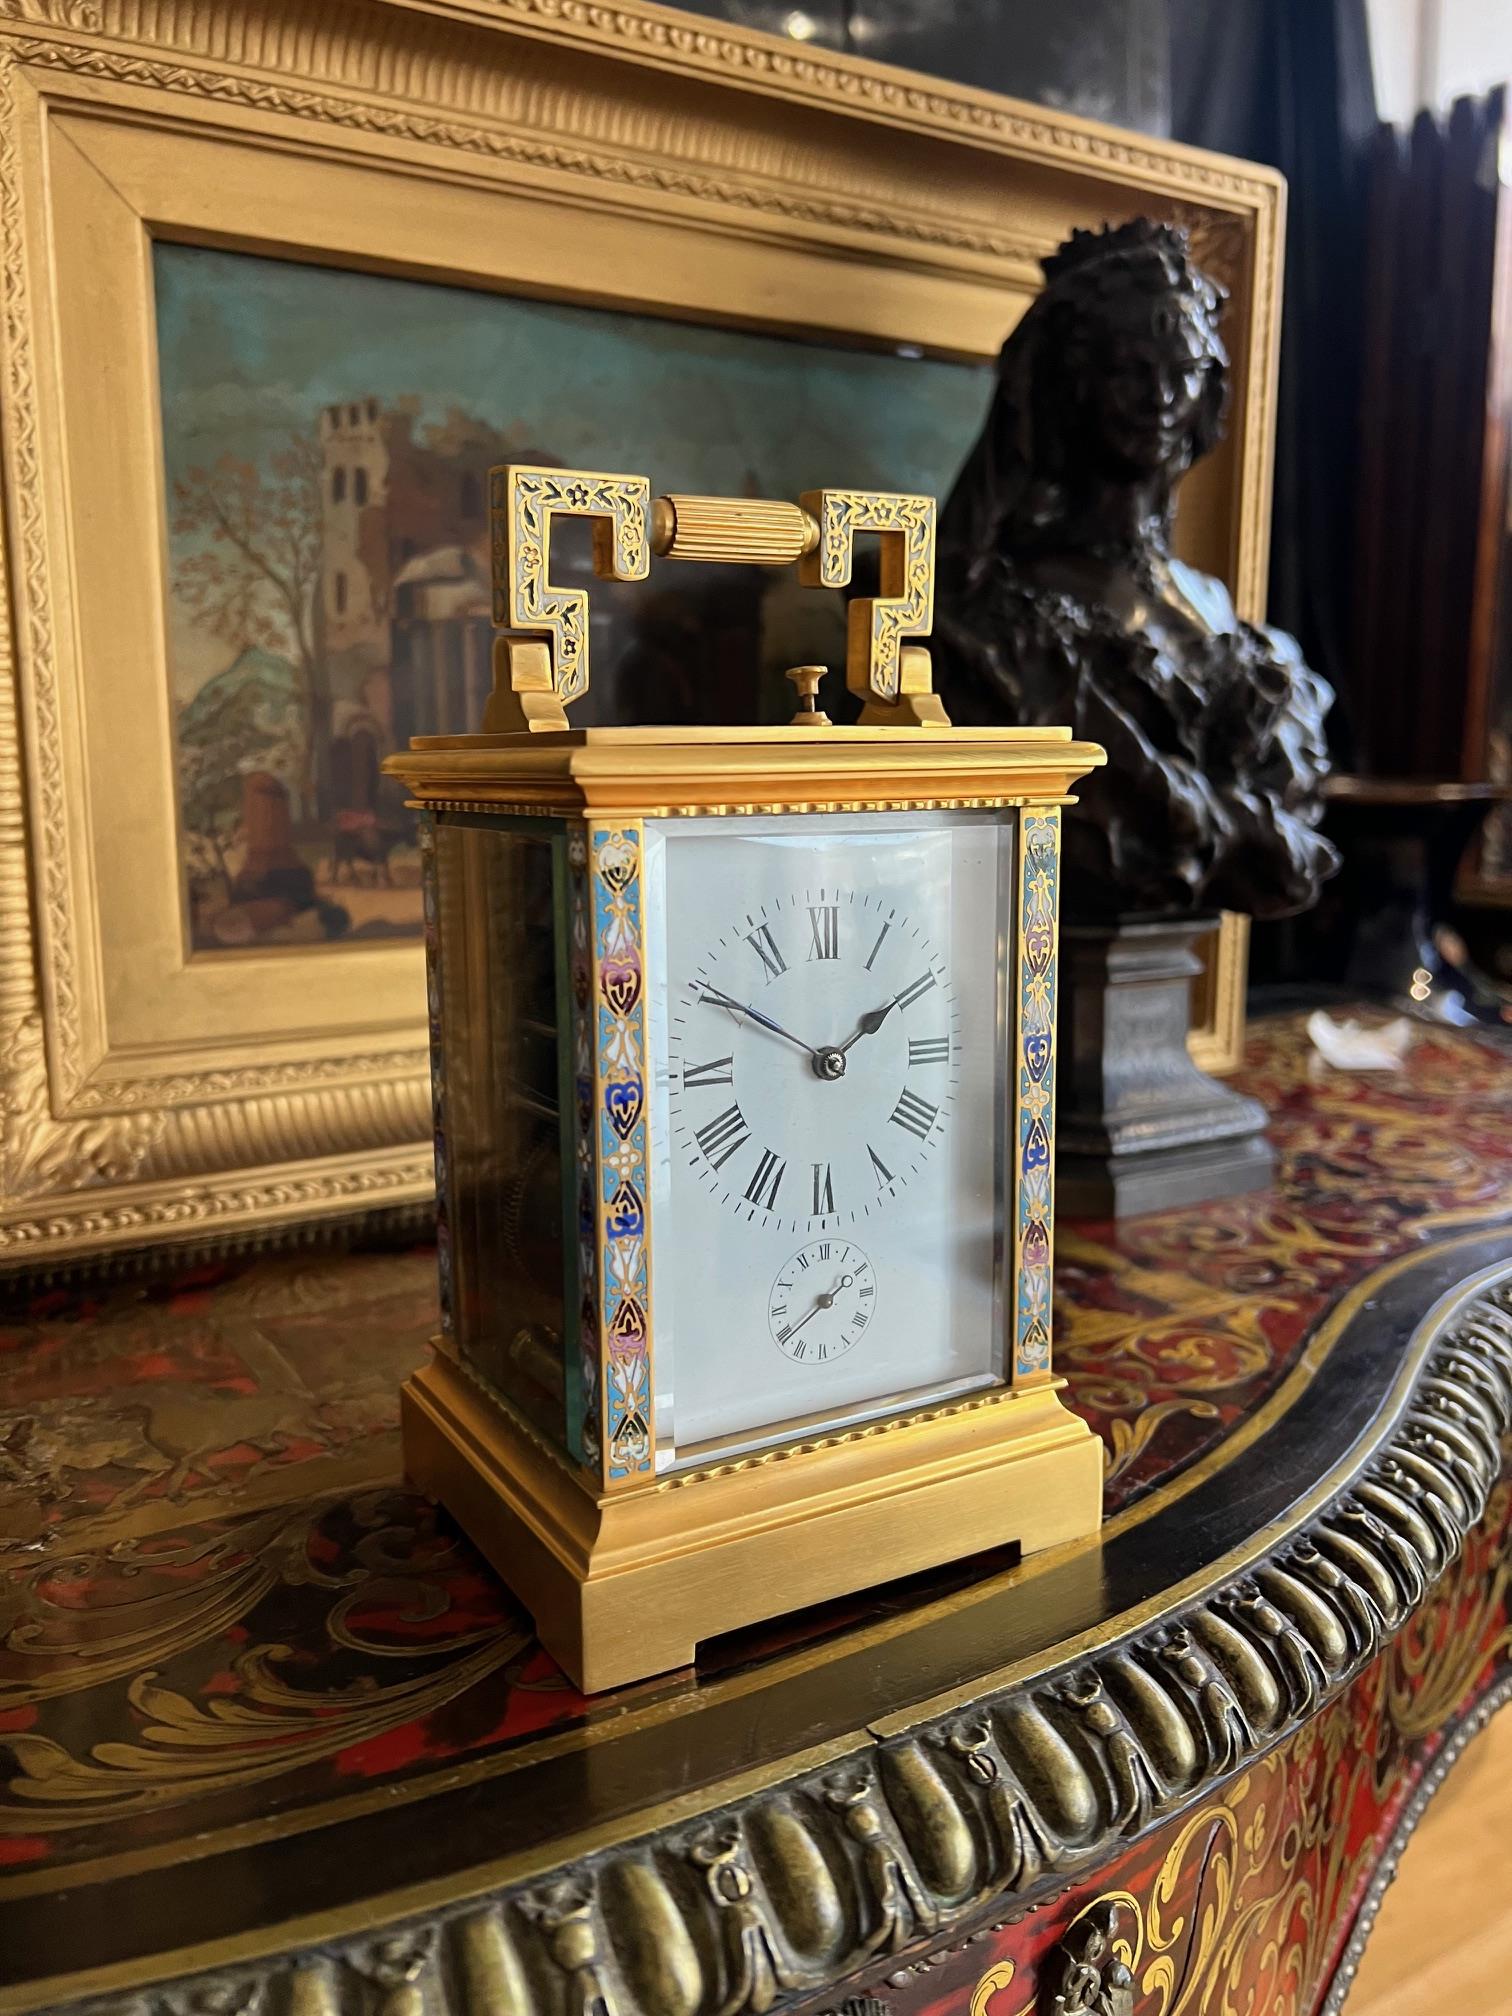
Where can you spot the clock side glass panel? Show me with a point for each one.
(828, 1015)
(500, 973)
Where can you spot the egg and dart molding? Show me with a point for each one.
(743, 1051)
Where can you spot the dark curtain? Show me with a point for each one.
(1288, 82)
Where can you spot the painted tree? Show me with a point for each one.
(235, 725)
(253, 571)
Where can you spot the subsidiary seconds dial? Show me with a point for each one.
(815, 1052)
(822, 1301)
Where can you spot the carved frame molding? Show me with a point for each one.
(789, 1891)
(652, 119)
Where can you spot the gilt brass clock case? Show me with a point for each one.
(570, 1131)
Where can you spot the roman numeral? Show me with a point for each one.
(762, 1188)
(824, 925)
(718, 1071)
(929, 1049)
(884, 1174)
(921, 986)
(824, 1190)
(725, 1133)
(914, 1114)
(878, 946)
(764, 945)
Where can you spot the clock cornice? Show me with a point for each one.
(661, 772)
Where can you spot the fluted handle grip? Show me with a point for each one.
(748, 531)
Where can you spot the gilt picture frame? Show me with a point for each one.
(168, 1072)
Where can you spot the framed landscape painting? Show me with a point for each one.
(327, 438)
(279, 289)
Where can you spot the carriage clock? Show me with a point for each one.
(743, 1055)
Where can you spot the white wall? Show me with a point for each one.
(1474, 46)
(1395, 38)
(1426, 52)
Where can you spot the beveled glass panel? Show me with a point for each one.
(499, 955)
(829, 1006)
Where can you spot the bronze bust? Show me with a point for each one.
(1061, 602)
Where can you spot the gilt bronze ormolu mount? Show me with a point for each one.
(1060, 600)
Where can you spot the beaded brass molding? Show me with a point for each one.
(510, 808)
(791, 1890)
(889, 1424)
(682, 127)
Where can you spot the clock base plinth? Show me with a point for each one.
(626, 1584)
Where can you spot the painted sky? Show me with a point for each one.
(252, 348)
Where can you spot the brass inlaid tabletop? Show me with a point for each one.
(255, 1695)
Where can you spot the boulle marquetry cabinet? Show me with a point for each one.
(274, 1740)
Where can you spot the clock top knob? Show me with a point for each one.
(805, 679)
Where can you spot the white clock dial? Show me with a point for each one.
(822, 1301)
(813, 1057)
(826, 1027)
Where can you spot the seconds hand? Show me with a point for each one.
(824, 1302)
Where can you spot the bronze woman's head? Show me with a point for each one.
(1116, 374)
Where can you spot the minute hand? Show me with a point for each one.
(741, 1008)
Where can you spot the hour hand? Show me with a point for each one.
(869, 1024)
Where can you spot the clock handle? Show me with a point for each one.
(541, 663)
(891, 673)
(542, 666)
(889, 670)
